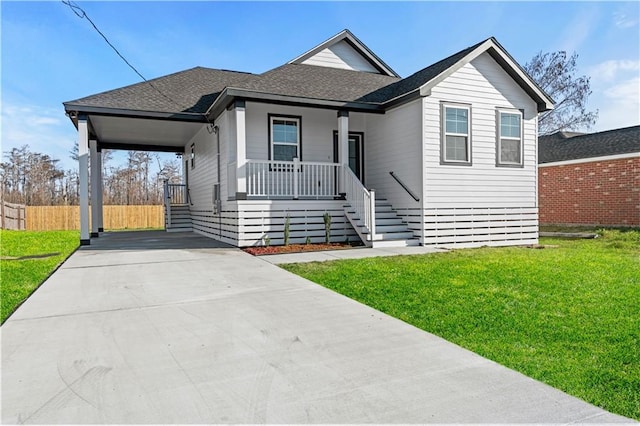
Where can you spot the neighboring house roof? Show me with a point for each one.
(563, 146)
(201, 93)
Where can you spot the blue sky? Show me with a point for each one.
(49, 55)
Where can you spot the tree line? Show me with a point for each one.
(36, 179)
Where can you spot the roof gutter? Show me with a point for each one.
(74, 110)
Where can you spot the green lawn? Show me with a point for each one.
(20, 277)
(568, 316)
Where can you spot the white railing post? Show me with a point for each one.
(372, 207)
(296, 167)
(167, 203)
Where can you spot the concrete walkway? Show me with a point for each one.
(175, 328)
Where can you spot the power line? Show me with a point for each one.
(83, 15)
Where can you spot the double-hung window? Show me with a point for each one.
(456, 135)
(509, 138)
(284, 138)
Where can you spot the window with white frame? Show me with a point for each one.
(456, 137)
(509, 138)
(285, 138)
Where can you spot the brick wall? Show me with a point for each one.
(594, 193)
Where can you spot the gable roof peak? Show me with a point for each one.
(357, 45)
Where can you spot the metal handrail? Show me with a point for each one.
(405, 187)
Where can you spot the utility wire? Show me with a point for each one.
(83, 15)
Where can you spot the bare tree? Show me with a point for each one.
(555, 73)
(31, 178)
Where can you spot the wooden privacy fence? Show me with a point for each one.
(12, 216)
(49, 218)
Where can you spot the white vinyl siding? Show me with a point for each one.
(485, 86)
(509, 139)
(341, 55)
(393, 144)
(316, 130)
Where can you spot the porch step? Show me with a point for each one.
(180, 219)
(391, 231)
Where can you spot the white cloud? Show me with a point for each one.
(624, 21)
(608, 70)
(618, 104)
(45, 130)
(579, 29)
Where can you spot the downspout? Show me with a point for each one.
(216, 130)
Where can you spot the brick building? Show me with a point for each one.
(590, 179)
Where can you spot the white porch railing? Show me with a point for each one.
(292, 179)
(362, 201)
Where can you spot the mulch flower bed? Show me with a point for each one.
(296, 248)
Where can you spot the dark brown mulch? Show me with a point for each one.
(295, 248)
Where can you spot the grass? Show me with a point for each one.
(568, 316)
(19, 278)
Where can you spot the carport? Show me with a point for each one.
(118, 129)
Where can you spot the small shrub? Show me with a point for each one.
(327, 227)
(266, 240)
(308, 241)
(287, 226)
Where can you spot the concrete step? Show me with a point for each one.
(389, 229)
(394, 236)
(396, 243)
(386, 215)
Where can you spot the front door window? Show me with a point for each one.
(356, 153)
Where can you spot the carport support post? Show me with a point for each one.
(83, 170)
(241, 151)
(95, 206)
(100, 206)
(343, 145)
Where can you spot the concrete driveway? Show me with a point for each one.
(175, 328)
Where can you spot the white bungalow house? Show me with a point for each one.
(446, 156)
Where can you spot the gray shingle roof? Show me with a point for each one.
(417, 79)
(195, 90)
(192, 90)
(310, 81)
(562, 147)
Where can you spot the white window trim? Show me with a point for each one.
(272, 143)
(499, 137)
(444, 134)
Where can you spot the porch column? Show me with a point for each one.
(343, 143)
(241, 151)
(95, 207)
(83, 170)
(100, 183)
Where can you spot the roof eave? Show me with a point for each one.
(506, 62)
(78, 109)
(230, 93)
(355, 43)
